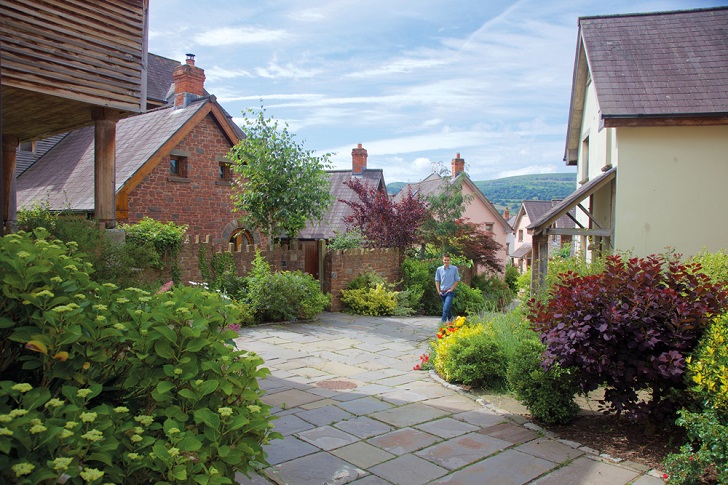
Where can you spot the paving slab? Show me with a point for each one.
(510, 432)
(507, 468)
(550, 450)
(409, 414)
(318, 468)
(363, 427)
(447, 427)
(587, 470)
(480, 417)
(287, 449)
(463, 450)
(324, 415)
(362, 454)
(454, 403)
(290, 424)
(327, 438)
(403, 441)
(408, 470)
(290, 398)
(365, 405)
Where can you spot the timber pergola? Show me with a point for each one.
(542, 228)
(64, 65)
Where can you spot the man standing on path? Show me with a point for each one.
(447, 279)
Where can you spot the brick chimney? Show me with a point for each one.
(358, 160)
(189, 82)
(506, 214)
(458, 165)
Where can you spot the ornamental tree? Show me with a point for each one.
(629, 327)
(384, 222)
(446, 207)
(477, 244)
(279, 185)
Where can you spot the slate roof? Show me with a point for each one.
(333, 221)
(159, 78)
(535, 209)
(523, 250)
(24, 159)
(668, 63)
(64, 177)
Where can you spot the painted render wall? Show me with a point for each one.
(671, 186)
(202, 200)
(479, 213)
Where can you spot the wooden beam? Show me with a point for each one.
(588, 214)
(643, 121)
(105, 166)
(10, 219)
(577, 232)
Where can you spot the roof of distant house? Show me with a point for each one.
(333, 221)
(535, 209)
(656, 64)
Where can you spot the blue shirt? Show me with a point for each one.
(447, 276)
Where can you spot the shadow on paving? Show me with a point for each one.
(352, 410)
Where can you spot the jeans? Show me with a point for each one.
(447, 306)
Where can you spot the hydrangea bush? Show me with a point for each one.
(104, 385)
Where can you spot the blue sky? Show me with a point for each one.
(414, 81)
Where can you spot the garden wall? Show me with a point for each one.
(281, 258)
(340, 267)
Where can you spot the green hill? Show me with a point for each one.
(510, 191)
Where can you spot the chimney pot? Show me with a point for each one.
(190, 59)
(358, 160)
(458, 166)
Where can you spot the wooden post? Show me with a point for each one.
(105, 166)
(539, 262)
(10, 217)
(321, 259)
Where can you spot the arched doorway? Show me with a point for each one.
(241, 237)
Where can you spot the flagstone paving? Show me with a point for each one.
(352, 410)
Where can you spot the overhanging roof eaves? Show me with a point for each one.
(572, 201)
(522, 252)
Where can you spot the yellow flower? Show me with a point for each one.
(83, 393)
(38, 428)
(91, 474)
(225, 411)
(88, 417)
(61, 464)
(21, 469)
(23, 387)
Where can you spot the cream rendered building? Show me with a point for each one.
(648, 132)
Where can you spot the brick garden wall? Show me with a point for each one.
(340, 267)
(282, 258)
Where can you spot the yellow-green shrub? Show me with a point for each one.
(375, 301)
(470, 355)
(708, 367)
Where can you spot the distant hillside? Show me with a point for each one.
(510, 191)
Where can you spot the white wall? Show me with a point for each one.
(672, 189)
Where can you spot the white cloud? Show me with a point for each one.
(531, 169)
(307, 15)
(239, 35)
(216, 73)
(399, 66)
(274, 71)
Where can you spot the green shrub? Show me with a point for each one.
(511, 278)
(377, 301)
(165, 237)
(496, 292)
(419, 276)
(706, 451)
(351, 239)
(708, 367)
(121, 384)
(283, 296)
(715, 265)
(468, 301)
(366, 280)
(407, 302)
(470, 355)
(548, 394)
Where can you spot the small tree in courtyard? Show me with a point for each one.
(477, 244)
(279, 185)
(384, 222)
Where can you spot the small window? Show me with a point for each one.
(178, 166)
(28, 147)
(489, 226)
(225, 171)
(520, 235)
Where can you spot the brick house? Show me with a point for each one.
(170, 161)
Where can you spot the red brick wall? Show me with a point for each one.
(340, 267)
(282, 258)
(202, 200)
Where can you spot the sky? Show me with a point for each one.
(415, 82)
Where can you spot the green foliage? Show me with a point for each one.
(165, 237)
(511, 191)
(511, 278)
(468, 301)
(446, 208)
(419, 277)
(715, 265)
(283, 296)
(407, 302)
(496, 292)
(377, 301)
(123, 264)
(707, 450)
(470, 355)
(368, 279)
(548, 394)
(708, 367)
(120, 384)
(267, 194)
(351, 239)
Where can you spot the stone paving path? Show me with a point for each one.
(352, 410)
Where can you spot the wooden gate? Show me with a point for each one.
(311, 256)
